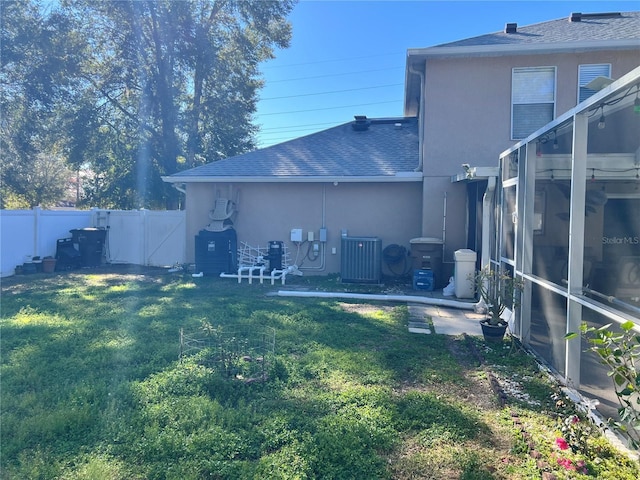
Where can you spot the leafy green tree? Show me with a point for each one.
(139, 88)
(37, 76)
(176, 83)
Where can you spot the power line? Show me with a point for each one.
(290, 131)
(334, 60)
(305, 125)
(334, 75)
(329, 108)
(334, 91)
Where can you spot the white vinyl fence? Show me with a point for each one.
(139, 237)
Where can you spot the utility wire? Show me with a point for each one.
(305, 125)
(334, 75)
(290, 131)
(335, 60)
(329, 108)
(333, 91)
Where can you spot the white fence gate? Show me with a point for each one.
(139, 237)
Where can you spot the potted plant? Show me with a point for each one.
(497, 291)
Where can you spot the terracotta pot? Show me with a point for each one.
(48, 265)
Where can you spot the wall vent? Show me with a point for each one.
(361, 260)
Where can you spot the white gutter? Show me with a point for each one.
(384, 298)
(398, 177)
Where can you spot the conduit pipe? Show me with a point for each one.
(487, 206)
(323, 250)
(441, 302)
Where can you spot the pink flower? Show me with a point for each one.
(582, 466)
(562, 443)
(566, 463)
(575, 419)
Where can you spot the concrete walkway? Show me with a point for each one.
(428, 319)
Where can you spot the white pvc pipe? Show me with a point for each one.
(385, 298)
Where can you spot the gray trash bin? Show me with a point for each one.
(464, 270)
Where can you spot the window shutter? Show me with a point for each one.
(586, 73)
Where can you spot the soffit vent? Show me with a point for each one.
(511, 28)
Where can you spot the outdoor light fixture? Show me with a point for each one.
(601, 122)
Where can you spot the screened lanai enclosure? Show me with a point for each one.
(567, 218)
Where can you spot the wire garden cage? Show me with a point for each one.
(238, 352)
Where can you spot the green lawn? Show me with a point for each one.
(93, 388)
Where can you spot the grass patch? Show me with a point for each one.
(92, 388)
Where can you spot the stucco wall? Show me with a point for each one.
(468, 103)
(468, 120)
(268, 211)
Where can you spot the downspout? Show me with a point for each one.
(487, 205)
(420, 119)
(180, 187)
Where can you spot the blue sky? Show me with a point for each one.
(348, 57)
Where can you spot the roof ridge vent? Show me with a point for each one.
(511, 28)
(361, 124)
(578, 17)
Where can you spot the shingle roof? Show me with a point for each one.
(387, 147)
(591, 27)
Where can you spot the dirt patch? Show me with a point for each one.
(364, 309)
(105, 275)
(480, 391)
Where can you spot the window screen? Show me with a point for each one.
(533, 95)
(586, 73)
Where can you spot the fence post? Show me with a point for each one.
(36, 230)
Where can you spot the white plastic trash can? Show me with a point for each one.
(464, 271)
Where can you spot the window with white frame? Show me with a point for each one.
(587, 73)
(533, 99)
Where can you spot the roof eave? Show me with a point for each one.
(416, 57)
(421, 54)
(398, 177)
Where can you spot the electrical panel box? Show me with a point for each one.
(296, 234)
(310, 236)
(323, 235)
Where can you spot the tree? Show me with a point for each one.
(176, 82)
(36, 78)
(152, 87)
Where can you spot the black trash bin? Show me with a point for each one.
(90, 242)
(67, 256)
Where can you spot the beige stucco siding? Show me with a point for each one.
(468, 120)
(468, 103)
(268, 211)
